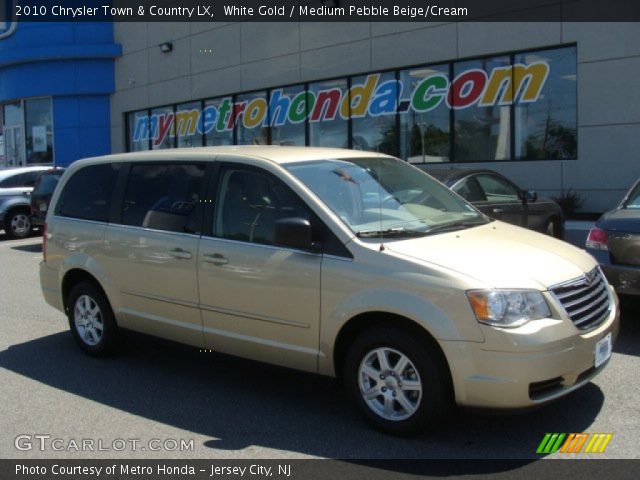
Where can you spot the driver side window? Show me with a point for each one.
(249, 203)
(498, 190)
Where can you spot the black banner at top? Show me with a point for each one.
(422, 11)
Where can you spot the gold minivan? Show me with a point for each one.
(349, 264)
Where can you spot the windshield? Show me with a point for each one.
(385, 197)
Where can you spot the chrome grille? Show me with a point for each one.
(586, 300)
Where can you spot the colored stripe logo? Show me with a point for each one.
(574, 443)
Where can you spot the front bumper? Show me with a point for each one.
(526, 367)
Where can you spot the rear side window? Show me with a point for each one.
(164, 196)
(46, 183)
(28, 179)
(470, 190)
(11, 182)
(87, 194)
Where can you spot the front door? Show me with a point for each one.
(258, 300)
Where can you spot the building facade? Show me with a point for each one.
(554, 106)
(55, 83)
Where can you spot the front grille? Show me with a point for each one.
(586, 300)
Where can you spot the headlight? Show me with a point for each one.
(508, 308)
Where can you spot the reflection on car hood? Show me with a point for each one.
(621, 220)
(500, 255)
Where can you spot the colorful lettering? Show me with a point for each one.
(519, 83)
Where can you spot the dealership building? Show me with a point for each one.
(552, 105)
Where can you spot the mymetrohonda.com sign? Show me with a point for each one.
(372, 97)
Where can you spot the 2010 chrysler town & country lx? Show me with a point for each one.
(344, 263)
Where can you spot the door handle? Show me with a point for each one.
(215, 258)
(180, 254)
(498, 210)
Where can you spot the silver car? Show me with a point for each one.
(16, 185)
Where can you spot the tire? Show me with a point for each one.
(17, 223)
(91, 320)
(413, 398)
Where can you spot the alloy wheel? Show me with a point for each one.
(390, 384)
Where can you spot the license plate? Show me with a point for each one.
(43, 207)
(603, 350)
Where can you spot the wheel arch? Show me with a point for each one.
(363, 321)
(74, 276)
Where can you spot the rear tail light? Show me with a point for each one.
(44, 242)
(597, 239)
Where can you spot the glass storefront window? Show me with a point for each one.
(188, 125)
(38, 131)
(482, 125)
(287, 113)
(216, 125)
(425, 128)
(373, 100)
(13, 114)
(251, 119)
(547, 128)
(508, 107)
(138, 123)
(328, 117)
(162, 128)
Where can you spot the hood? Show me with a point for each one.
(621, 220)
(500, 255)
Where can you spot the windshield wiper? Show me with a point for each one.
(391, 232)
(457, 225)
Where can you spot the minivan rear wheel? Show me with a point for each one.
(398, 381)
(91, 319)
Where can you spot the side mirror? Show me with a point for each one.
(293, 232)
(530, 196)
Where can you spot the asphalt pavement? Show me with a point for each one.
(224, 407)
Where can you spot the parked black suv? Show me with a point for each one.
(41, 195)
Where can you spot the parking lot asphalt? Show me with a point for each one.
(237, 409)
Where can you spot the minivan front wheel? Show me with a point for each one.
(398, 382)
(91, 320)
